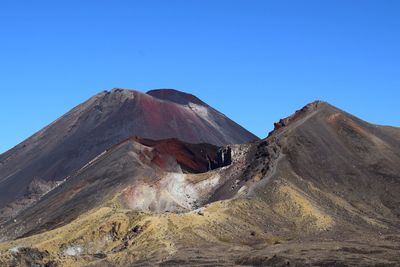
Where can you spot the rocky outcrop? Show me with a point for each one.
(131, 234)
(295, 116)
(223, 158)
(35, 190)
(25, 256)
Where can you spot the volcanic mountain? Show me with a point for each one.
(323, 189)
(65, 146)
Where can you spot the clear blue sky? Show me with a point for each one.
(256, 61)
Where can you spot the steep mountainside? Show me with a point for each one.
(66, 145)
(323, 189)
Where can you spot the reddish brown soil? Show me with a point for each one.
(191, 157)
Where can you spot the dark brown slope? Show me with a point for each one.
(355, 161)
(322, 150)
(106, 119)
(329, 184)
(345, 156)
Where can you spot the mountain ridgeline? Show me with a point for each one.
(134, 179)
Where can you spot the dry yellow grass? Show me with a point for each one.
(296, 206)
(219, 223)
(91, 232)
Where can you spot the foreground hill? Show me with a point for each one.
(323, 189)
(65, 146)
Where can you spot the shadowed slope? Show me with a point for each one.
(175, 96)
